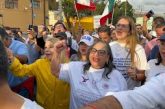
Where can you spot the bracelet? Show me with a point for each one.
(91, 106)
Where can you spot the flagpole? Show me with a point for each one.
(126, 8)
(112, 15)
(77, 13)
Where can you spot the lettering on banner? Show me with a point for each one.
(122, 65)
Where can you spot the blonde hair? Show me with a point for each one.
(52, 39)
(131, 40)
(64, 58)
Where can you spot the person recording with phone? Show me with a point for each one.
(158, 26)
(34, 50)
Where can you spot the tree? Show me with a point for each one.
(53, 5)
(69, 10)
(122, 9)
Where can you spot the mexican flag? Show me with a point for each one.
(85, 4)
(108, 11)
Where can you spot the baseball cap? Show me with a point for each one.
(162, 37)
(87, 39)
(95, 35)
(61, 34)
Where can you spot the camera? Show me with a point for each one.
(149, 14)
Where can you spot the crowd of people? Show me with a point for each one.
(113, 67)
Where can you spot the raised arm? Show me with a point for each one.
(55, 62)
(109, 102)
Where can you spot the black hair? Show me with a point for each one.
(60, 22)
(158, 20)
(3, 34)
(105, 29)
(159, 59)
(3, 62)
(108, 65)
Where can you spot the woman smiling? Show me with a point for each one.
(128, 56)
(89, 80)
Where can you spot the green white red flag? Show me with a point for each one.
(85, 4)
(108, 11)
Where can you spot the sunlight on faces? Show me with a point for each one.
(113, 35)
(122, 29)
(159, 31)
(59, 28)
(98, 56)
(104, 36)
(83, 48)
(49, 48)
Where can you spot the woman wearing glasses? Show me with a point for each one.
(89, 80)
(128, 56)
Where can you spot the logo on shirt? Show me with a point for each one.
(85, 79)
(105, 86)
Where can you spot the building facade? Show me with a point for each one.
(21, 13)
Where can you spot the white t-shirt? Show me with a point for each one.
(89, 87)
(149, 96)
(28, 104)
(154, 70)
(122, 61)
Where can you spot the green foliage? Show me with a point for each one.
(53, 5)
(123, 9)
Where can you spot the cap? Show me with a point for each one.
(95, 35)
(162, 37)
(153, 33)
(61, 34)
(87, 39)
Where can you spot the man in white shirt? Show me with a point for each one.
(149, 96)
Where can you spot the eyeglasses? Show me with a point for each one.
(122, 26)
(100, 52)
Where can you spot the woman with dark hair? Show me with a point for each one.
(85, 42)
(9, 99)
(89, 80)
(157, 66)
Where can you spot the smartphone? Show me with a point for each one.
(35, 28)
(149, 14)
(30, 27)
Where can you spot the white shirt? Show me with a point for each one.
(154, 70)
(122, 61)
(28, 104)
(89, 87)
(149, 96)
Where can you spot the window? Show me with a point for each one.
(36, 3)
(11, 4)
